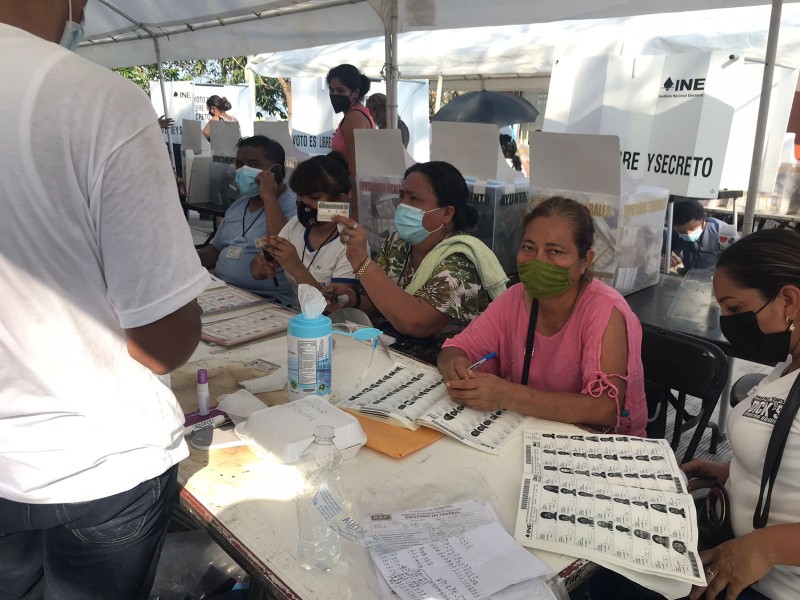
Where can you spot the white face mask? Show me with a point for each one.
(73, 32)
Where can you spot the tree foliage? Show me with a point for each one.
(271, 93)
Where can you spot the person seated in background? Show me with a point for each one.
(509, 148)
(431, 279)
(305, 248)
(218, 111)
(695, 237)
(264, 208)
(376, 104)
(584, 363)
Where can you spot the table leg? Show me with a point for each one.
(725, 402)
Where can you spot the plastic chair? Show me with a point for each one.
(743, 385)
(677, 365)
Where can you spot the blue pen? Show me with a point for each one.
(489, 356)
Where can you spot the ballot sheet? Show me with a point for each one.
(410, 396)
(619, 499)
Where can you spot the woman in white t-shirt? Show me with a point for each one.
(757, 285)
(305, 247)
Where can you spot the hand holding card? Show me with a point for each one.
(327, 210)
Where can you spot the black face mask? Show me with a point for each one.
(743, 332)
(340, 103)
(306, 215)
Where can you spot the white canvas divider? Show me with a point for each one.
(279, 131)
(629, 218)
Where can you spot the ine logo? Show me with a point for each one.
(685, 85)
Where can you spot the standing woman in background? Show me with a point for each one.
(217, 109)
(348, 87)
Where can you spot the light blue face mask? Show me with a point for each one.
(408, 223)
(246, 181)
(692, 236)
(73, 32)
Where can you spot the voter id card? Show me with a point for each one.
(327, 210)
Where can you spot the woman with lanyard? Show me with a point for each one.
(304, 246)
(565, 347)
(264, 208)
(348, 87)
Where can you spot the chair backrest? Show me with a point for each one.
(680, 362)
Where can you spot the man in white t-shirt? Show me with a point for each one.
(99, 286)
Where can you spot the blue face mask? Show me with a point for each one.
(408, 223)
(246, 181)
(692, 236)
(73, 32)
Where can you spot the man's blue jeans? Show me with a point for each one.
(106, 548)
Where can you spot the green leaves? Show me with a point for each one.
(271, 93)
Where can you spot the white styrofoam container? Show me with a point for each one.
(286, 430)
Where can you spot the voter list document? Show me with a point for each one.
(412, 396)
(619, 500)
(457, 551)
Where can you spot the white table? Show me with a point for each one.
(247, 504)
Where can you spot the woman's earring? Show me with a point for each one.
(790, 324)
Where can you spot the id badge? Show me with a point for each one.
(236, 250)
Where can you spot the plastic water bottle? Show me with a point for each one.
(318, 545)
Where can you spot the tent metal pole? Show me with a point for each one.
(153, 37)
(763, 114)
(439, 86)
(391, 73)
(164, 101)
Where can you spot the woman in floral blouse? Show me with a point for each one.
(430, 279)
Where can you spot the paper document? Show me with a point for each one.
(247, 327)
(221, 299)
(615, 498)
(412, 528)
(468, 566)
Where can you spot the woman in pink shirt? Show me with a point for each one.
(348, 87)
(586, 362)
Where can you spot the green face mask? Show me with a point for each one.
(542, 279)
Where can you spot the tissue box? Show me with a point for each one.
(285, 431)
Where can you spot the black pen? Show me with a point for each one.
(271, 259)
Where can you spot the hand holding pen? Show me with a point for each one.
(481, 360)
(271, 259)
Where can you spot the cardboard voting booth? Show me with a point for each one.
(498, 193)
(382, 160)
(224, 137)
(628, 218)
(279, 131)
(685, 122)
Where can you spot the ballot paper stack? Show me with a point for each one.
(454, 552)
(619, 501)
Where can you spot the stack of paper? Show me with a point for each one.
(458, 551)
(412, 396)
(619, 501)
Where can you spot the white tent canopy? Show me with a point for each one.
(520, 57)
(188, 29)
(135, 32)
